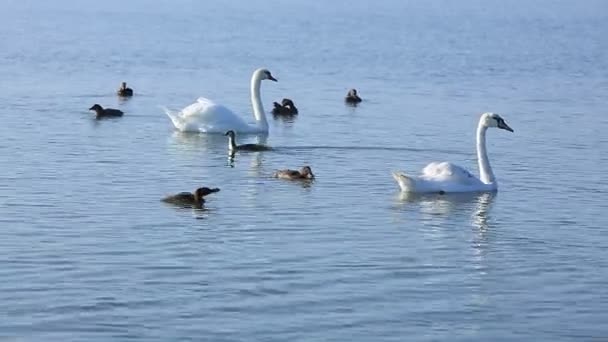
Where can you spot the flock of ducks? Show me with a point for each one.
(206, 116)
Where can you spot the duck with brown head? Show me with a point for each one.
(304, 173)
(101, 112)
(195, 199)
(352, 97)
(124, 91)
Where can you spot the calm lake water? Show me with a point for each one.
(88, 252)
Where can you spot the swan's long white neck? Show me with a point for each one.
(485, 170)
(256, 101)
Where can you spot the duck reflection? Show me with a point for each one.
(256, 157)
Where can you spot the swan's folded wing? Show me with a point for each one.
(447, 172)
(201, 106)
(207, 111)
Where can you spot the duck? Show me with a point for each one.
(105, 112)
(232, 146)
(446, 177)
(124, 91)
(195, 199)
(286, 107)
(352, 97)
(304, 173)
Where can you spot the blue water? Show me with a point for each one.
(88, 252)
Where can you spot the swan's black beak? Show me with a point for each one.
(272, 78)
(503, 125)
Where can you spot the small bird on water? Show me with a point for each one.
(195, 199)
(101, 112)
(124, 91)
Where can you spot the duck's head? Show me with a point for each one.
(307, 172)
(230, 133)
(264, 74)
(288, 103)
(204, 191)
(123, 85)
(277, 105)
(495, 120)
(352, 93)
(96, 107)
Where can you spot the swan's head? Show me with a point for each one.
(96, 107)
(494, 120)
(264, 74)
(230, 134)
(307, 172)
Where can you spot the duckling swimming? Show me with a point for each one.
(352, 97)
(286, 107)
(124, 91)
(304, 173)
(195, 199)
(105, 113)
(232, 146)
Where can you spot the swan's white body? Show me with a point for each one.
(446, 177)
(206, 116)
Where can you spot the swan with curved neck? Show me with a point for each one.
(446, 177)
(206, 116)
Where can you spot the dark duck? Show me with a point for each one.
(352, 97)
(232, 146)
(101, 112)
(124, 91)
(286, 107)
(195, 199)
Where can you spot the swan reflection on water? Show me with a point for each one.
(197, 142)
(434, 206)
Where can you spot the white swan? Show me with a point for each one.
(446, 177)
(208, 117)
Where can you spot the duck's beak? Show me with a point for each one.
(91, 108)
(208, 191)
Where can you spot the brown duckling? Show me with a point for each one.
(232, 146)
(105, 112)
(195, 199)
(286, 107)
(352, 97)
(124, 91)
(304, 173)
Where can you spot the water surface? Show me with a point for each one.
(88, 252)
